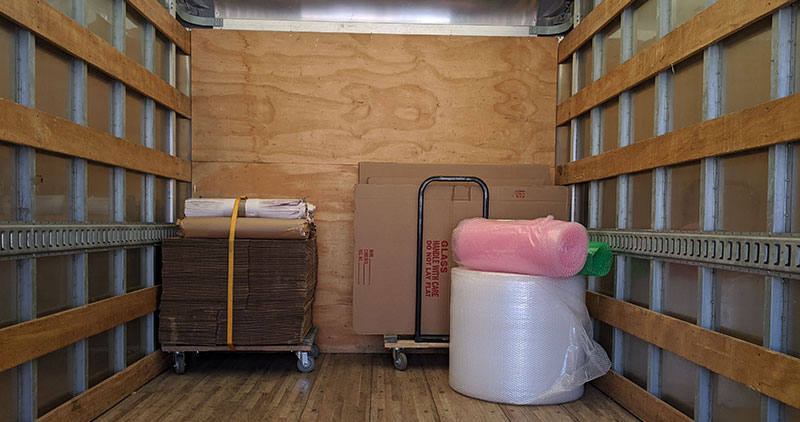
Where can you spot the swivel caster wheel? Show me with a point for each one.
(400, 360)
(314, 351)
(305, 362)
(179, 362)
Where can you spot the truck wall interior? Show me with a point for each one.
(277, 114)
(648, 75)
(89, 93)
(662, 116)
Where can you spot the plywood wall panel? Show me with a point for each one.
(291, 115)
(330, 187)
(345, 98)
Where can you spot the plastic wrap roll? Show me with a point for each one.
(544, 247)
(598, 261)
(521, 339)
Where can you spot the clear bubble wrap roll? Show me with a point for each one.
(521, 339)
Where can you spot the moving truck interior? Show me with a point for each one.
(245, 210)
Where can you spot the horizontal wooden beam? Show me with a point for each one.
(48, 23)
(96, 400)
(771, 373)
(719, 20)
(595, 21)
(637, 400)
(757, 127)
(30, 127)
(29, 340)
(154, 12)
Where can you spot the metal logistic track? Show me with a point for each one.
(762, 253)
(41, 239)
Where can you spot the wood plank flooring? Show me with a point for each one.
(347, 387)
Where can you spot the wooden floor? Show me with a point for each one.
(343, 387)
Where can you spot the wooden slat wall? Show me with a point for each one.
(291, 115)
(103, 396)
(760, 126)
(711, 25)
(772, 373)
(593, 23)
(164, 22)
(29, 340)
(47, 22)
(26, 126)
(637, 400)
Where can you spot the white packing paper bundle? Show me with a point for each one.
(253, 207)
(521, 339)
(279, 208)
(208, 207)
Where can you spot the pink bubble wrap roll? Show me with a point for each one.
(544, 247)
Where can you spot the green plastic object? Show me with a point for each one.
(598, 261)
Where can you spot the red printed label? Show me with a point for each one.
(519, 194)
(436, 263)
(364, 267)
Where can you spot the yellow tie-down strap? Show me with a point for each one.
(231, 237)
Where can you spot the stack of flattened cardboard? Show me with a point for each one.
(384, 285)
(274, 283)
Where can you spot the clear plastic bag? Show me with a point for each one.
(521, 339)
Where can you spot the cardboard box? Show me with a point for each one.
(384, 287)
(491, 174)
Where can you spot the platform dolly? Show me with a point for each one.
(393, 342)
(306, 351)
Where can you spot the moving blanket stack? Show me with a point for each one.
(519, 329)
(269, 288)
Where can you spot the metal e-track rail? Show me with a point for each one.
(776, 255)
(42, 239)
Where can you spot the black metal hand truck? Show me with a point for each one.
(423, 341)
